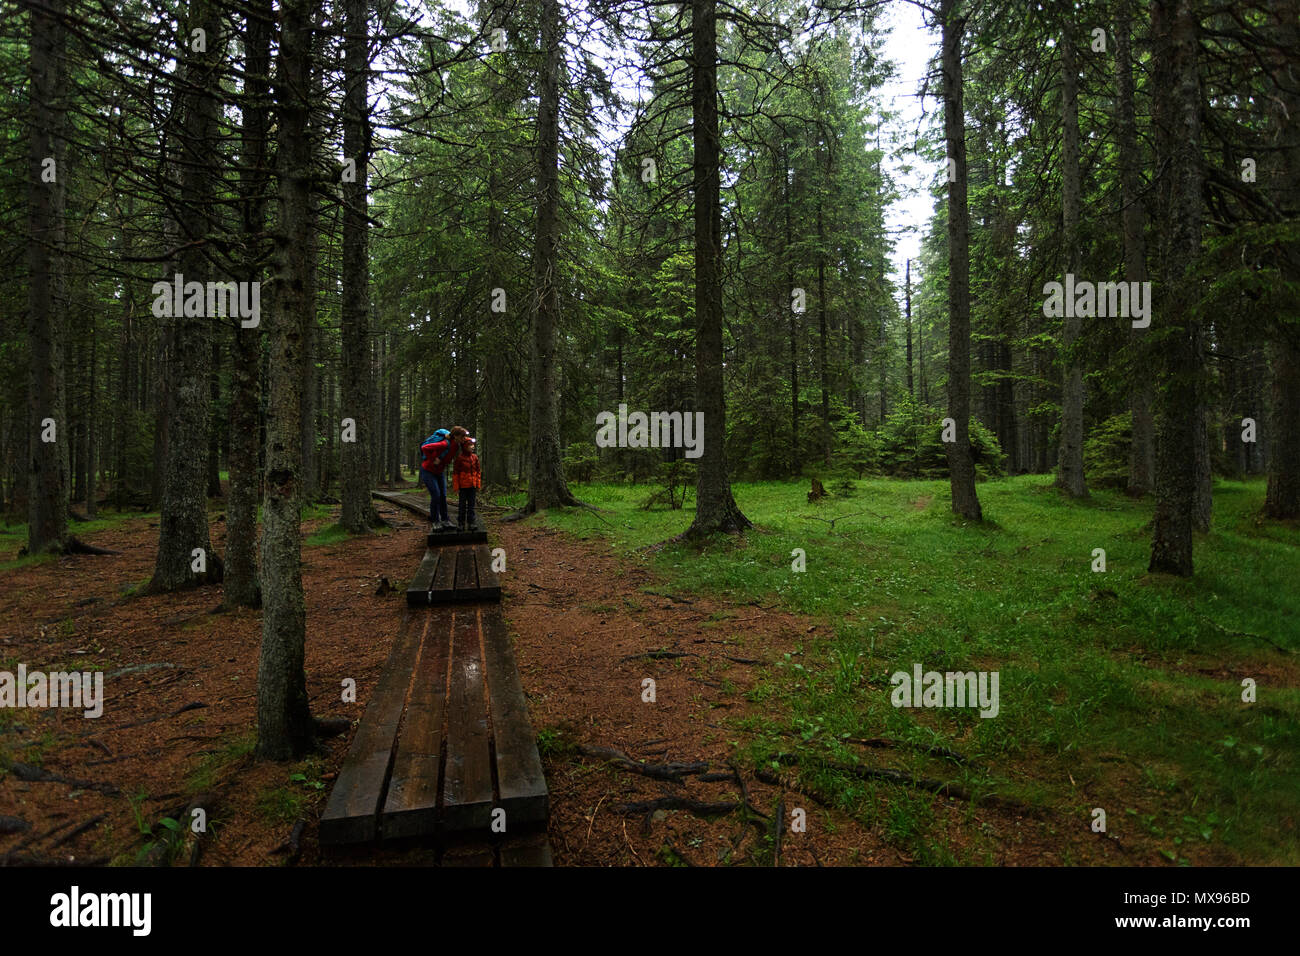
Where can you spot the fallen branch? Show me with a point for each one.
(657, 656)
(673, 772)
(29, 774)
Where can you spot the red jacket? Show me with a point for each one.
(467, 473)
(436, 455)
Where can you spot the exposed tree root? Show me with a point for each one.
(29, 774)
(657, 656)
(940, 787)
(673, 772)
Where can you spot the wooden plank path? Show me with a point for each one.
(418, 502)
(454, 575)
(445, 746)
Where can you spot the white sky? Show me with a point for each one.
(910, 46)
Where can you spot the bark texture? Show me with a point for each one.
(183, 522)
(1178, 400)
(358, 514)
(47, 467)
(547, 487)
(961, 466)
(1069, 469)
(284, 727)
(716, 509)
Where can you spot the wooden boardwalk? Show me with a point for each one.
(418, 502)
(445, 743)
(445, 749)
(454, 574)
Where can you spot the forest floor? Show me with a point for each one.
(760, 672)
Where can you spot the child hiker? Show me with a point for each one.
(437, 450)
(467, 478)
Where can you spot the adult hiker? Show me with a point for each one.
(437, 451)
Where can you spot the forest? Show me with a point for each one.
(766, 342)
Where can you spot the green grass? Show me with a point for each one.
(288, 802)
(329, 534)
(1126, 682)
(13, 537)
(217, 765)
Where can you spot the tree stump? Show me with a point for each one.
(818, 492)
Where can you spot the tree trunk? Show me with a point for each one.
(284, 728)
(215, 425)
(961, 467)
(547, 487)
(126, 398)
(1069, 474)
(47, 476)
(1141, 460)
(795, 459)
(183, 523)
(1177, 406)
(92, 422)
(1203, 501)
(1282, 498)
(823, 345)
(715, 508)
(307, 437)
(358, 514)
(395, 414)
(907, 287)
(242, 587)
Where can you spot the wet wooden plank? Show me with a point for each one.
(352, 812)
(521, 783)
(475, 535)
(444, 576)
(417, 502)
(467, 789)
(411, 806)
(461, 575)
(489, 582)
(466, 570)
(417, 592)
